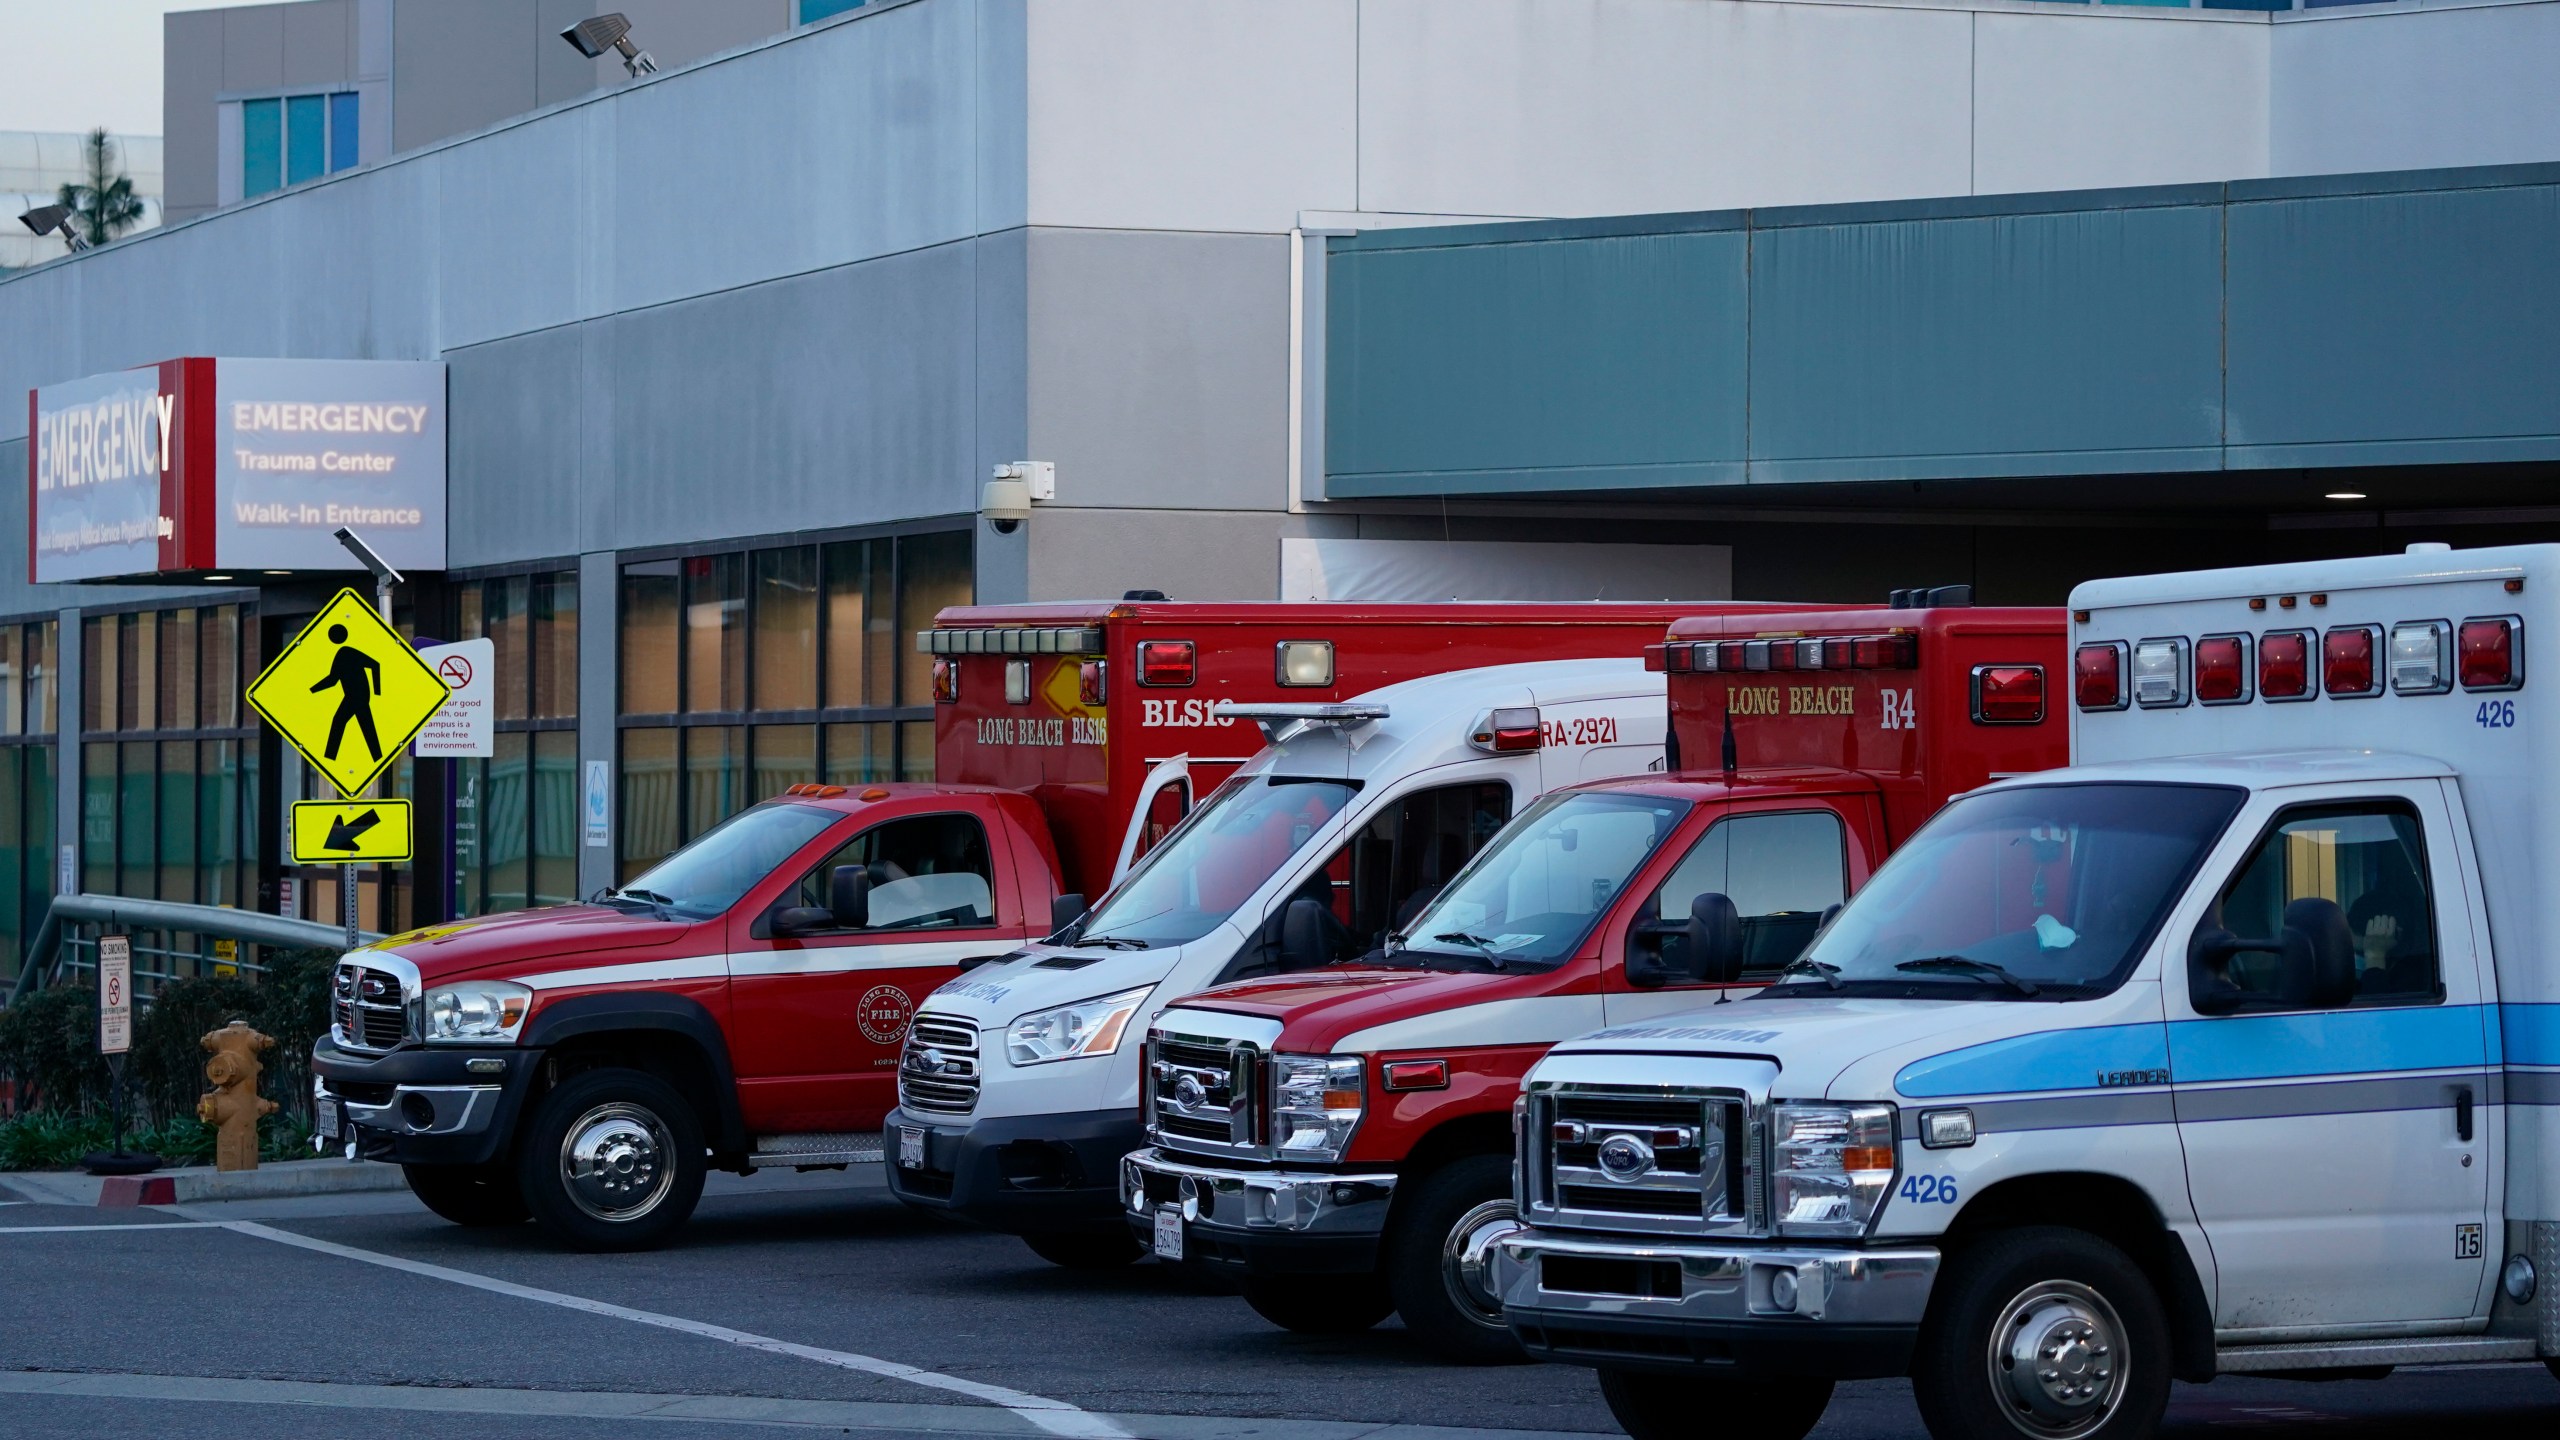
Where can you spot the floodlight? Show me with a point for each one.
(610, 31)
(55, 220)
(381, 568)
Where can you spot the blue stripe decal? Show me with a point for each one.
(2532, 1034)
(2046, 1060)
(2332, 1042)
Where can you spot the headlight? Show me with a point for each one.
(1315, 1104)
(1831, 1166)
(477, 1010)
(1088, 1027)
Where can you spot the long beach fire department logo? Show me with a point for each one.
(883, 1014)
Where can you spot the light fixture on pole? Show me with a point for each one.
(55, 220)
(610, 31)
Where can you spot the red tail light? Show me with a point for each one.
(946, 680)
(1732, 654)
(1509, 731)
(2346, 662)
(2097, 676)
(1782, 654)
(2490, 653)
(2284, 665)
(2222, 669)
(1093, 681)
(2008, 694)
(1885, 652)
(1167, 663)
(1657, 658)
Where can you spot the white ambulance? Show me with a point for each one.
(1018, 1087)
(2233, 1048)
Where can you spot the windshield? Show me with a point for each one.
(2031, 891)
(707, 876)
(1534, 893)
(1216, 860)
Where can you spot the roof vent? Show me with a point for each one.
(1143, 595)
(1930, 597)
(2426, 547)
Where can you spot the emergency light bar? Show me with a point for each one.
(1277, 719)
(1012, 640)
(1829, 652)
(2355, 662)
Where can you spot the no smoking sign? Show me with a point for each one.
(462, 728)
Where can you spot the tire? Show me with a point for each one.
(2064, 1293)
(1652, 1406)
(611, 1160)
(479, 1196)
(1320, 1304)
(1435, 1249)
(1079, 1250)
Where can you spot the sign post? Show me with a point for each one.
(115, 1038)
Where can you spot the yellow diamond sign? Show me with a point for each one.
(348, 693)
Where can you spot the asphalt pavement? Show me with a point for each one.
(817, 1303)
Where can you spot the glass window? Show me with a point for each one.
(40, 673)
(2060, 885)
(651, 798)
(503, 805)
(136, 814)
(178, 659)
(14, 711)
(1532, 897)
(786, 755)
(506, 608)
(261, 147)
(786, 628)
(861, 754)
(928, 872)
(555, 646)
(306, 138)
(555, 817)
(138, 672)
(715, 653)
(707, 877)
(933, 572)
(218, 821)
(813, 11)
(1231, 845)
(99, 634)
(1408, 851)
(2368, 860)
(649, 607)
(861, 631)
(178, 820)
(1780, 871)
(342, 131)
(219, 669)
(715, 788)
(915, 751)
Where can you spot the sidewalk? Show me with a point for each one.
(198, 1184)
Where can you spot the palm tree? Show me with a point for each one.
(104, 206)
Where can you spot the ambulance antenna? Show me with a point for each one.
(1731, 762)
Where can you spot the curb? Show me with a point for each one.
(267, 1182)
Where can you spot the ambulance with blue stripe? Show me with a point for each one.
(2232, 1048)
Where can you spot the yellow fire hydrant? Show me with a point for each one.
(233, 1106)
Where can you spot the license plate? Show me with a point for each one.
(325, 1121)
(1168, 1234)
(910, 1148)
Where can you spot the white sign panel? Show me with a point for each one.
(462, 728)
(115, 994)
(598, 799)
(302, 447)
(95, 462)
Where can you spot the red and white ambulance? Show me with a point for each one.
(744, 1002)
(1339, 1143)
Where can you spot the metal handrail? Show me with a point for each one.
(220, 921)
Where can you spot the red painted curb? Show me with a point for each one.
(128, 1190)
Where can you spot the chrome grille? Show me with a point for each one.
(1200, 1093)
(1640, 1159)
(368, 1007)
(938, 1071)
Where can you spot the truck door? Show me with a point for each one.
(1782, 868)
(817, 1019)
(1397, 858)
(2338, 1158)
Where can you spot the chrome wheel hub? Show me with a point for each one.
(613, 1162)
(2057, 1360)
(1467, 1258)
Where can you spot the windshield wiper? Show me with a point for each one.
(1477, 943)
(1107, 942)
(1830, 973)
(1966, 965)
(645, 897)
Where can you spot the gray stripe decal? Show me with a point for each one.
(2197, 1104)
(2533, 1087)
(2064, 1112)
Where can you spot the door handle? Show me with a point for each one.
(2462, 1113)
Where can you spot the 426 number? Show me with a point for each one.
(2496, 715)
(1929, 1189)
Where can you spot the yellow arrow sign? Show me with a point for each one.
(335, 832)
(348, 693)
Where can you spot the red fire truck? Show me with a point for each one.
(1338, 1143)
(747, 998)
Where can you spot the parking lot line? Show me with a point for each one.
(1055, 1416)
(134, 1225)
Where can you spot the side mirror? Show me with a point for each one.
(849, 896)
(1302, 932)
(1715, 939)
(1065, 910)
(802, 920)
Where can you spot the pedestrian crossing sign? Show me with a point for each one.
(348, 693)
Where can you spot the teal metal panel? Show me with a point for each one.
(2080, 341)
(2396, 327)
(1606, 361)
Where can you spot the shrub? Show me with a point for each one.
(49, 1140)
(291, 1004)
(49, 1046)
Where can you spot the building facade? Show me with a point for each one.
(731, 351)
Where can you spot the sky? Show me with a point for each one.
(74, 64)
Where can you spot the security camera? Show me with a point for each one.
(1006, 503)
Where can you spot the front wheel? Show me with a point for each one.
(475, 1195)
(1077, 1250)
(1438, 1248)
(1320, 1304)
(2043, 1334)
(1651, 1406)
(612, 1160)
